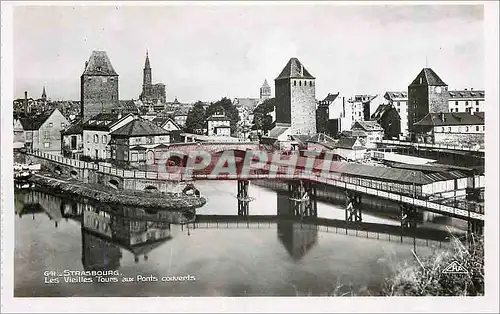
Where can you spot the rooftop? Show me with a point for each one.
(457, 94)
(395, 95)
(294, 69)
(347, 142)
(428, 77)
(368, 126)
(452, 118)
(139, 127)
(34, 123)
(99, 64)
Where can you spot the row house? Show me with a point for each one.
(96, 133)
(350, 148)
(451, 128)
(43, 132)
(138, 142)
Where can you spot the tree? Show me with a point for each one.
(229, 110)
(262, 120)
(195, 119)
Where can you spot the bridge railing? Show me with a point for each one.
(443, 146)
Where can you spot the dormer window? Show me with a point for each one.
(99, 69)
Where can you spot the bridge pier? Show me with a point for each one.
(303, 200)
(243, 198)
(353, 207)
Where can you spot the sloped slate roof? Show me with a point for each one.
(294, 69)
(99, 64)
(330, 97)
(34, 123)
(75, 128)
(368, 125)
(392, 95)
(140, 127)
(429, 77)
(218, 118)
(346, 142)
(459, 94)
(382, 110)
(277, 131)
(451, 118)
(247, 102)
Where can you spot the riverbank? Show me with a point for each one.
(108, 195)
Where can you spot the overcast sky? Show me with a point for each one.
(205, 52)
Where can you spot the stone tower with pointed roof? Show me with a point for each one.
(296, 99)
(151, 93)
(265, 91)
(99, 85)
(427, 93)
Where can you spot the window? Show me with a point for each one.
(46, 144)
(150, 139)
(104, 139)
(477, 109)
(63, 125)
(88, 138)
(46, 135)
(451, 109)
(50, 125)
(477, 103)
(466, 103)
(96, 139)
(300, 83)
(456, 103)
(466, 129)
(294, 83)
(483, 128)
(310, 83)
(477, 128)
(449, 129)
(442, 129)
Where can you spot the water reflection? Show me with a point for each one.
(296, 237)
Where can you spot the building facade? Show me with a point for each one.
(426, 94)
(151, 93)
(399, 100)
(296, 99)
(374, 132)
(135, 142)
(218, 124)
(466, 100)
(43, 132)
(388, 118)
(72, 140)
(96, 133)
(99, 85)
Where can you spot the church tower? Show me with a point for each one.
(296, 99)
(98, 85)
(426, 94)
(265, 91)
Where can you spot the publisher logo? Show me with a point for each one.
(455, 268)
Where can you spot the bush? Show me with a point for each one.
(425, 276)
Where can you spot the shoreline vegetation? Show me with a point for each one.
(108, 195)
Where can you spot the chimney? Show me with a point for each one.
(86, 63)
(301, 70)
(25, 103)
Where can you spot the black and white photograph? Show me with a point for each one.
(304, 151)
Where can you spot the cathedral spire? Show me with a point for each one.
(147, 65)
(44, 94)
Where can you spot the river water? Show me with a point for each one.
(54, 234)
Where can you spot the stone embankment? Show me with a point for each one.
(108, 195)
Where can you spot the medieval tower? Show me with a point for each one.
(98, 85)
(151, 93)
(265, 91)
(44, 95)
(426, 94)
(296, 99)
